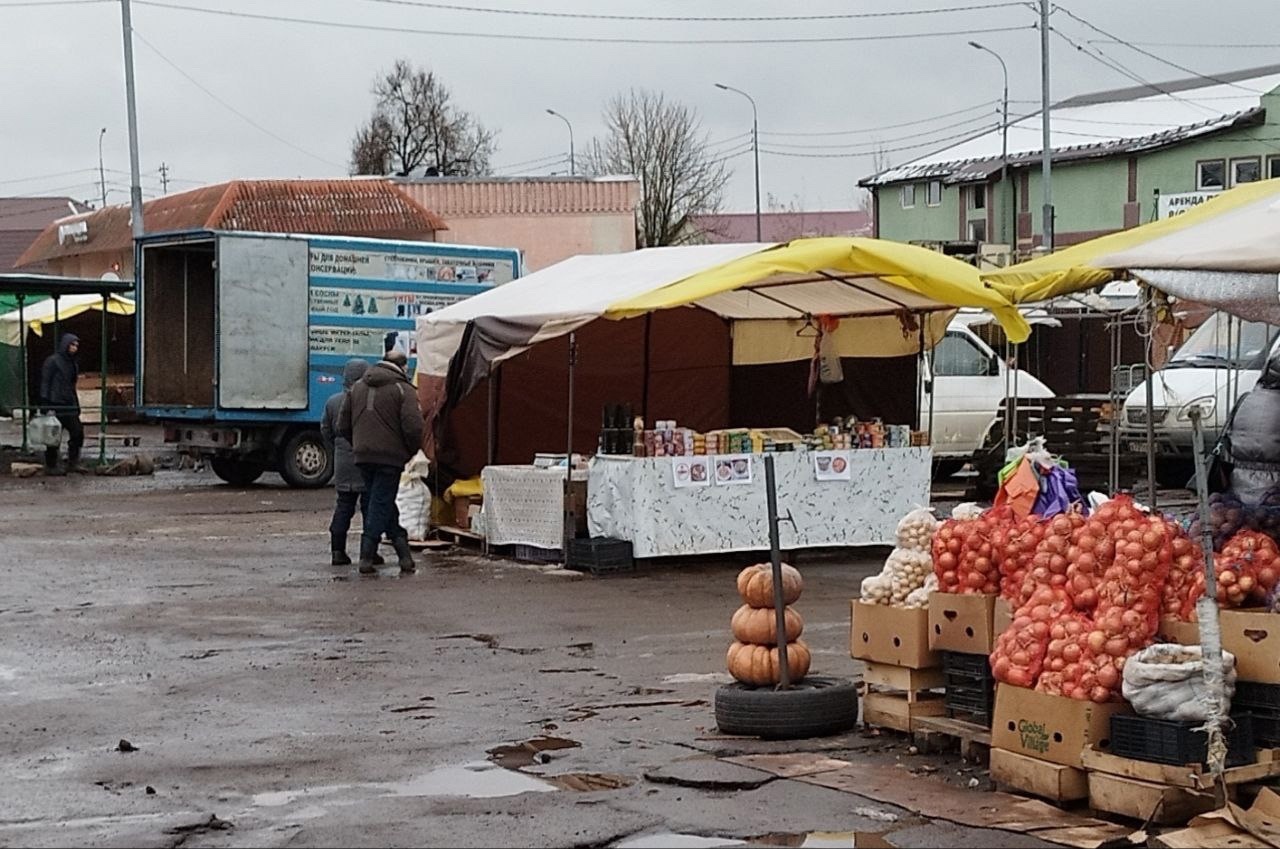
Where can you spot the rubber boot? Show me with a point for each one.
(338, 545)
(367, 553)
(405, 554)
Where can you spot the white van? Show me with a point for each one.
(1220, 361)
(969, 387)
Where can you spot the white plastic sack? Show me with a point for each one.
(915, 530)
(413, 499)
(968, 510)
(1166, 681)
(919, 597)
(45, 431)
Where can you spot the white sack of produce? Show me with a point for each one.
(919, 598)
(915, 530)
(968, 510)
(413, 500)
(1166, 681)
(905, 570)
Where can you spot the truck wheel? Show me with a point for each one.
(305, 461)
(235, 471)
(816, 707)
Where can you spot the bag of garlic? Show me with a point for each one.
(919, 598)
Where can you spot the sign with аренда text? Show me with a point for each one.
(1176, 204)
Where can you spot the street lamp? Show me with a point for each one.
(755, 146)
(1004, 147)
(102, 174)
(572, 170)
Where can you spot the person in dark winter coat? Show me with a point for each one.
(383, 422)
(346, 477)
(1253, 439)
(58, 376)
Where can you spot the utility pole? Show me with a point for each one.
(135, 175)
(1011, 197)
(755, 145)
(573, 171)
(1046, 157)
(164, 177)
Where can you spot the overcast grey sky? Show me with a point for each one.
(306, 87)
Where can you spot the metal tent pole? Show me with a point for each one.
(1151, 427)
(26, 378)
(1113, 455)
(102, 403)
(569, 529)
(775, 562)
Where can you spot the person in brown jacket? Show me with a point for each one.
(383, 422)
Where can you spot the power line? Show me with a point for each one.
(569, 38)
(879, 142)
(454, 7)
(960, 136)
(916, 122)
(1207, 46)
(532, 163)
(32, 4)
(1149, 54)
(228, 106)
(47, 176)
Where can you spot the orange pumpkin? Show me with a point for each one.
(758, 665)
(755, 585)
(759, 625)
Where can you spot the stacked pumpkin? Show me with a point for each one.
(753, 657)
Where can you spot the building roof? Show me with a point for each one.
(345, 207)
(22, 219)
(1107, 123)
(782, 226)
(461, 197)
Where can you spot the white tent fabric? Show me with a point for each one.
(567, 295)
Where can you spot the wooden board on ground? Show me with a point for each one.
(458, 535)
(1048, 780)
(901, 678)
(1192, 777)
(897, 711)
(934, 733)
(429, 544)
(1146, 801)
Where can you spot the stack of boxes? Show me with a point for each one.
(900, 670)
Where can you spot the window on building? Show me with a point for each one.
(1247, 169)
(1273, 167)
(977, 231)
(933, 196)
(956, 356)
(979, 196)
(908, 195)
(1211, 174)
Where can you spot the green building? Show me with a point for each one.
(1120, 158)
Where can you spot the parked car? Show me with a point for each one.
(1220, 361)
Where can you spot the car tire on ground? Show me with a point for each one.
(305, 460)
(236, 471)
(816, 707)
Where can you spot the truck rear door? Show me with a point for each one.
(262, 323)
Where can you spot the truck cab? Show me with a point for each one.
(1220, 361)
(970, 383)
(243, 336)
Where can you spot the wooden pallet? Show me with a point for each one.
(897, 697)
(941, 733)
(1057, 783)
(1192, 777)
(459, 536)
(1146, 801)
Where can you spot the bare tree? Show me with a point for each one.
(415, 129)
(663, 144)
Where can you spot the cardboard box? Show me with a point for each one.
(962, 623)
(1177, 631)
(1051, 728)
(1001, 617)
(1052, 781)
(1146, 801)
(1253, 636)
(894, 635)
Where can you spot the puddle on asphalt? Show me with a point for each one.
(529, 752)
(671, 840)
(478, 780)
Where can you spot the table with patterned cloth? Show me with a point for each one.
(636, 499)
(524, 505)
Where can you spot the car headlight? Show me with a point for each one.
(1208, 406)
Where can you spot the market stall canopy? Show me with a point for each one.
(771, 294)
(47, 311)
(1224, 253)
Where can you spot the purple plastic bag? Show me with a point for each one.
(1059, 490)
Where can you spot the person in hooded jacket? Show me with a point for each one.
(1252, 440)
(58, 375)
(383, 422)
(348, 482)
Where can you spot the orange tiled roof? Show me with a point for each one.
(355, 207)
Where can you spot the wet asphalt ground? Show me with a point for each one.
(275, 700)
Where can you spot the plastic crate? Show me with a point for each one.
(973, 701)
(970, 667)
(534, 554)
(601, 555)
(1257, 698)
(1164, 741)
(1266, 729)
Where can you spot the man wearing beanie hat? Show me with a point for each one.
(58, 396)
